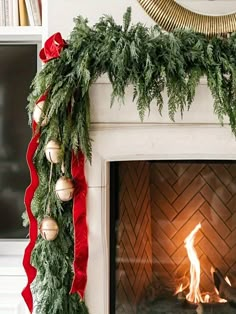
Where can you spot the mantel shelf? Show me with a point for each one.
(20, 33)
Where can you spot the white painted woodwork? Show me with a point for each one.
(12, 277)
(18, 34)
(132, 140)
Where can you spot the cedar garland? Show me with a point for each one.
(148, 58)
(151, 60)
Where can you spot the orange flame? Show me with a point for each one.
(180, 289)
(227, 280)
(207, 298)
(194, 294)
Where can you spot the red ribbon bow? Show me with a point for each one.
(52, 48)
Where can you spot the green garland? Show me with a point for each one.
(148, 58)
(151, 60)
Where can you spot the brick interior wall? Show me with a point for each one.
(160, 203)
(182, 195)
(134, 250)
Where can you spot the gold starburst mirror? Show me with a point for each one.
(199, 15)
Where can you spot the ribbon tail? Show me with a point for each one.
(80, 226)
(33, 228)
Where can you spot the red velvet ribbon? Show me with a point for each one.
(80, 225)
(33, 226)
(52, 48)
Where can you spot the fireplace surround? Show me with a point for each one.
(118, 135)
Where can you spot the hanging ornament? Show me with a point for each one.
(49, 228)
(38, 113)
(52, 151)
(64, 189)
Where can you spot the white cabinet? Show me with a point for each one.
(12, 277)
(12, 274)
(11, 301)
(21, 33)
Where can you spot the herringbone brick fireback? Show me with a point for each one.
(167, 200)
(134, 253)
(182, 195)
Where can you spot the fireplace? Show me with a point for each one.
(119, 136)
(156, 205)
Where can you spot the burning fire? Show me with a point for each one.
(227, 280)
(207, 298)
(180, 289)
(194, 294)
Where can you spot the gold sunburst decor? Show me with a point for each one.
(170, 15)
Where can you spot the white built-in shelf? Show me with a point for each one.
(20, 33)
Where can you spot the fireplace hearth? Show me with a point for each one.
(154, 206)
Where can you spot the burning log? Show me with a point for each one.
(223, 287)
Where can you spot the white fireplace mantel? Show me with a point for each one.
(117, 135)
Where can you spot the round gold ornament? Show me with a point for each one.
(52, 151)
(38, 113)
(64, 189)
(49, 229)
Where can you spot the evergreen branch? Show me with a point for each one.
(127, 19)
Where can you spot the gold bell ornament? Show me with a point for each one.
(52, 151)
(49, 228)
(64, 189)
(38, 113)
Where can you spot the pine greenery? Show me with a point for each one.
(148, 58)
(151, 60)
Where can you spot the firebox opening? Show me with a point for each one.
(172, 225)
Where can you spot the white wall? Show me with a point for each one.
(61, 13)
